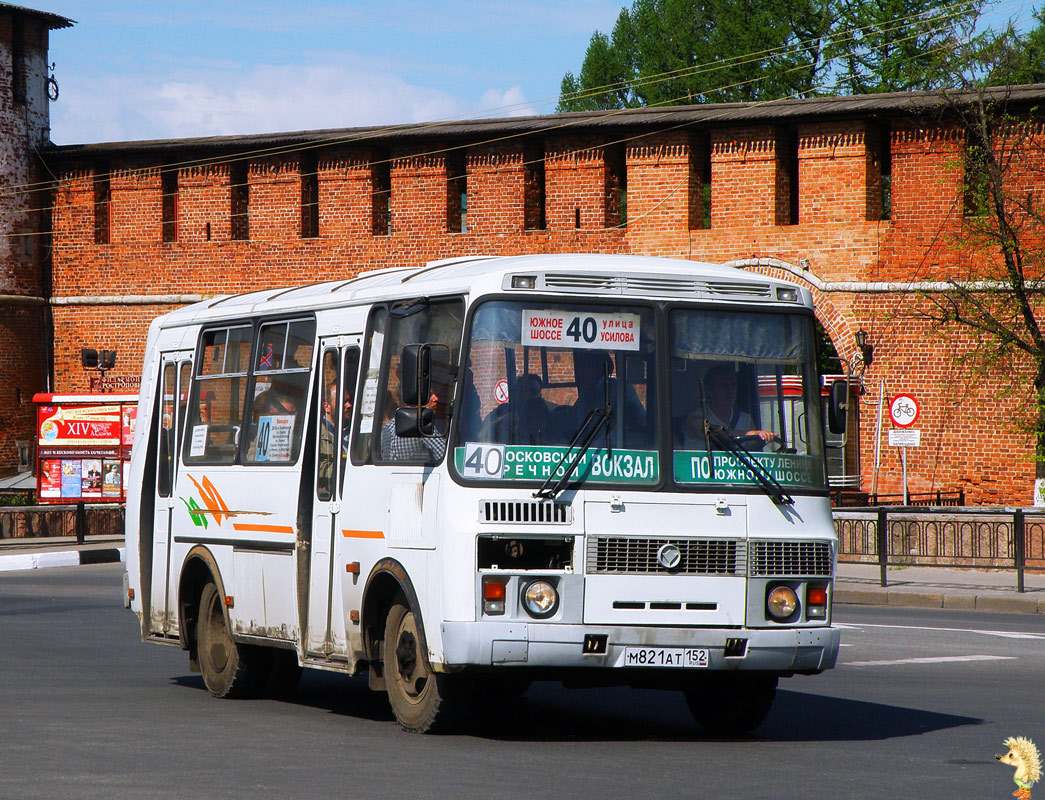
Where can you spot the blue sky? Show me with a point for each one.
(144, 70)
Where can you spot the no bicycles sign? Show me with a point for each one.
(904, 410)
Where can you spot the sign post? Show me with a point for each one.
(904, 411)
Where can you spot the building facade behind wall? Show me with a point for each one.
(24, 223)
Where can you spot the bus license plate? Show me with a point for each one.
(665, 657)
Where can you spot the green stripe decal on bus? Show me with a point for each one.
(535, 463)
(694, 466)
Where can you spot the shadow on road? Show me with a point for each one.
(549, 712)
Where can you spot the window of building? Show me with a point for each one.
(309, 167)
(977, 182)
(239, 195)
(456, 192)
(169, 190)
(787, 177)
(102, 199)
(700, 181)
(884, 158)
(616, 186)
(381, 196)
(533, 187)
(18, 80)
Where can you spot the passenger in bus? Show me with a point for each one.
(423, 448)
(328, 434)
(720, 383)
(593, 373)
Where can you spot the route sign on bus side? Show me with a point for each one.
(904, 410)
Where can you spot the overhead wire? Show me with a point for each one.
(954, 10)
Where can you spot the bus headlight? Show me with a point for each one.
(781, 602)
(540, 599)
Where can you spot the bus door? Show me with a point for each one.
(175, 372)
(326, 627)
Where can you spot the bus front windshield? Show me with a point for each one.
(541, 375)
(744, 380)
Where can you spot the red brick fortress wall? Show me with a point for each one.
(801, 200)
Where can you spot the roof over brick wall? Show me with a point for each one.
(895, 104)
(54, 21)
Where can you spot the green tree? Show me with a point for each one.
(898, 45)
(696, 51)
(1011, 57)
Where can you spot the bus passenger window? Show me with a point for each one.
(282, 368)
(327, 459)
(349, 377)
(216, 411)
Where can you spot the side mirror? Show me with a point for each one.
(412, 423)
(416, 369)
(837, 407)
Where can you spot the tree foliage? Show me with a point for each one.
(677, 52)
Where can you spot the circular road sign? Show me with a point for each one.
(904, 410)
(500, 391)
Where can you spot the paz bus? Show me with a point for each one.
(463, 477)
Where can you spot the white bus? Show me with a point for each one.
(467, 476)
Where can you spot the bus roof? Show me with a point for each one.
(563, 274)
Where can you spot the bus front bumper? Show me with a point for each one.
(516, 644)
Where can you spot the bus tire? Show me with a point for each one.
(422, 700)
(731, 704)
(229, 669)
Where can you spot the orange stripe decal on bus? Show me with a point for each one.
(363, 534)
(245, 526)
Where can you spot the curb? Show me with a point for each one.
(63, 558)
(949, 600)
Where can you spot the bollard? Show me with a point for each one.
(1019, 554)
(882, 536)
(81, 522)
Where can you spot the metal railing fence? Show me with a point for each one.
(79, 520)
(972, 538)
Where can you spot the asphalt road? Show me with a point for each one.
(918, 707)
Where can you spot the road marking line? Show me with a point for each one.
(1001, 634)
(928, 660)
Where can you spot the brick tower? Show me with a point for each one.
(25, 222)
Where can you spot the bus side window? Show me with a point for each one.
(349, 376)
(437, 322)
(281, 373)
(327, 388)
(165, 472)
(216, 411)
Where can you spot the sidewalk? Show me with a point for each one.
(939, 587)
(855, 584)
(63, 551)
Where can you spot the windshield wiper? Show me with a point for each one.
(768, 483)
(719, 435)
(587, 431)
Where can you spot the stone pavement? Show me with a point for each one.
(855, 584)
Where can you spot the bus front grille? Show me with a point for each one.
(790, 559)
(525, 511)
(626, 555)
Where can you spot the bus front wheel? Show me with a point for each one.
(229, 669)
(423, 701)
(729, 704)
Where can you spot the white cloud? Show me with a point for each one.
(265, 99)
(507, 103)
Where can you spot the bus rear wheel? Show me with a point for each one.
(229, 669)
(730, 704)
(423, 701)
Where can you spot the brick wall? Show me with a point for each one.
(835, 168)
(23, 214)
